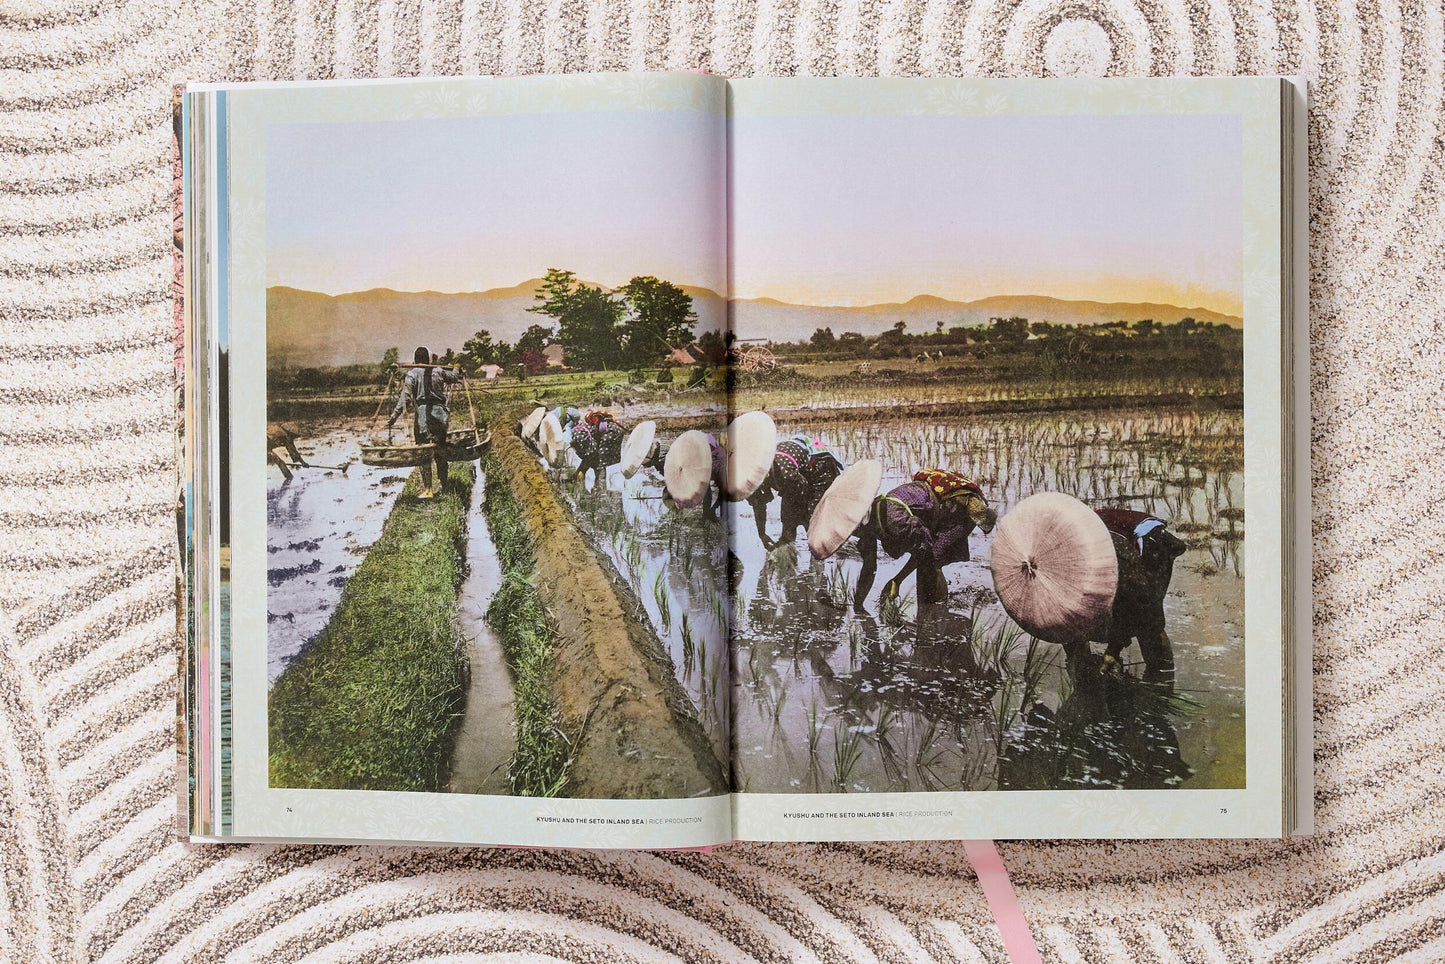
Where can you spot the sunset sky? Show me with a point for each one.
(852, 210)
(839, 210)
(477, 203)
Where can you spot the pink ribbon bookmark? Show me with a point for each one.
(1013, 927)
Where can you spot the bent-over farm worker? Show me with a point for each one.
(426, 388)
(802, 470)
(928, 520)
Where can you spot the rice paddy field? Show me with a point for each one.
(813, 698)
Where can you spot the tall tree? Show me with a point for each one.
(714, 349)
(1008, 331)
(659, 318)
(535, 338)
(589, 319)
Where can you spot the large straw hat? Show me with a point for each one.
(687, 471)
(1054, 567)
(843, 507)
(635, 449)
(551, 439)
(752, 438)
(533, 421)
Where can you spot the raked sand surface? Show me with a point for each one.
(89, 860)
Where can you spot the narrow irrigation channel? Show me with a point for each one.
(630, 728)
(485, 740)
(373, 591)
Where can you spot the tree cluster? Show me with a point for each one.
(481, 349)
(637, 325)
(1013, 335)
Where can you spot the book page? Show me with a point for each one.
(1021, 574)
(453, 308)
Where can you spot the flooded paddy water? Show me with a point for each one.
(954, 696)
(319, 525)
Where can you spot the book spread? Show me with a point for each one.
(659, 460)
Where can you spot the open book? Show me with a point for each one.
(662, 460)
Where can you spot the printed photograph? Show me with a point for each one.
(862, 453)
(999, 544)
(459, 598)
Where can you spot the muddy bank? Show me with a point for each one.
(612, 680)
(711, 421)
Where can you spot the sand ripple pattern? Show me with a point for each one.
(90, 869)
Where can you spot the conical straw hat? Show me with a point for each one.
(843, 507)
(1054, 567)
(687, 471)
(532, 422)
(551, 439)
(635, 449)
(752, 439)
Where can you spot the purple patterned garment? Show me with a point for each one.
(912, 520)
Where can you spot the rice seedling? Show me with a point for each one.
(992, 642)
(847, 753)
(815, 729)
(928, 756)
(896, 611)
(975, 773)
(1037, 663)
(840, 587)
(689, 646)
(855, 641)
(778, 699)
(885, 728)
(664, 604)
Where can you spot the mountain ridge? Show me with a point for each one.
(311, 328)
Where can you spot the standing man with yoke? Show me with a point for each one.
(426, 386)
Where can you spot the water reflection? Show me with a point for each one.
(1110, 730)
(319, 525)
(939, 700)
(950, 696)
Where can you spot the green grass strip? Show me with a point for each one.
(541, 764)
(374, 701)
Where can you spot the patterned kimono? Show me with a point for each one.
(802, 470)
(597, 440)
(915, 519)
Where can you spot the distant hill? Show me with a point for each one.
(307, 328)
(769, 318)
